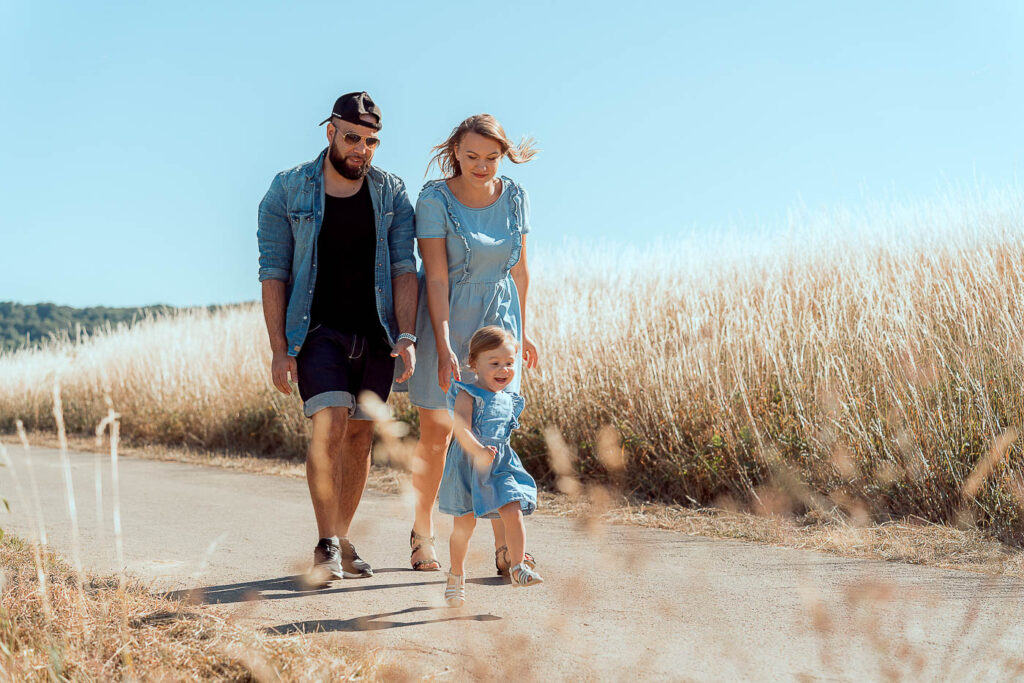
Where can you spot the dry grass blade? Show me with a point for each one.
(610, 451)
(562, 459)
(395, 447)
(995, 457)
(69, 487)
(37, 510)
(44, 597)
(112, 423)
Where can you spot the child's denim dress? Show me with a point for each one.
(464, 489)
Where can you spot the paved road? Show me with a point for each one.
(626, 603)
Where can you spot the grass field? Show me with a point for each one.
(867, 365)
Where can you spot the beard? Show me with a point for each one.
(341, 165)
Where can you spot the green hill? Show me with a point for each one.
(30, 324)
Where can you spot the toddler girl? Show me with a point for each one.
(483, 476)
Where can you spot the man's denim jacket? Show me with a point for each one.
(289, 224)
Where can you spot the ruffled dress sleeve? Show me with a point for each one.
(471, 389)
(430, 215)
(518, 403)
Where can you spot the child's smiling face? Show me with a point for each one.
(495, 368)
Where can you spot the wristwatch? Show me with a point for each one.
(406, 335)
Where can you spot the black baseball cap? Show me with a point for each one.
(350, 106)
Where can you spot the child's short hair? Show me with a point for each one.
(487, 338)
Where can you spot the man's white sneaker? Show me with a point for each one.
(327, 561)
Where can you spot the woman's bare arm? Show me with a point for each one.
(435, 265)
(521, 276)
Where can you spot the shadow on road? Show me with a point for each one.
(490, 581)
(279, 589)
(373, 622)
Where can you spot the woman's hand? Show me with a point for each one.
(447, 367)
(531, 356)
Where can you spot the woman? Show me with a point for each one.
(471, 228)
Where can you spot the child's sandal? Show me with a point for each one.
(455, 590)
(426, 544)
(522, 575)
(502, 561)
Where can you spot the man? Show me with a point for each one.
(339, 298)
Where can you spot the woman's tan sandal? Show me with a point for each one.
(502, 562)
(428, 556)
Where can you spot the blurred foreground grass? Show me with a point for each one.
(58, 625)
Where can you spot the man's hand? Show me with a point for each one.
(280, 367)
(407, 351)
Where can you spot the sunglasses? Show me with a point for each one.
(354, 138)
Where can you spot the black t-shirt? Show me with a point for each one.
(346, 251)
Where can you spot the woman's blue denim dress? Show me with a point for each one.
(482, 246)
(466, 489)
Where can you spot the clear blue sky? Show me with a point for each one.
(136, 139)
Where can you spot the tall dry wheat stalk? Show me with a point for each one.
(861, 363)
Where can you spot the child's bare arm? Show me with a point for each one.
(463, 418)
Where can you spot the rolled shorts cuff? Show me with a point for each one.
(328, 399)
(335, 399)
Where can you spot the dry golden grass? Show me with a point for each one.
(105, 632)
(912, 540)
(864, 365)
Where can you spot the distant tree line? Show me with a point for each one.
(30, 324)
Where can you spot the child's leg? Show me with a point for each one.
(515, 531)
(498, 526)
(458, 544)
(501, 562)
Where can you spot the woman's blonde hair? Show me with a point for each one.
(488, 126)
(488, 338)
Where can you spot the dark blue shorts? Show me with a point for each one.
(335, 367)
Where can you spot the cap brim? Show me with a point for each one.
(359, 122)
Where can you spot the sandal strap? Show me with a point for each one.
(417, 542)
(456, 589)
(413, 536)
(502, 554)
(522, 575)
